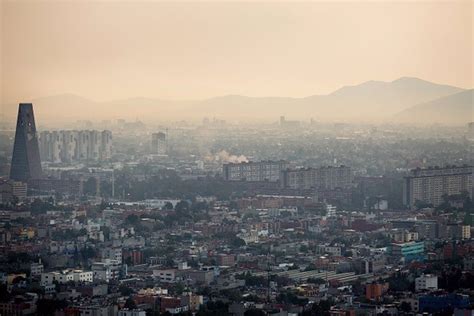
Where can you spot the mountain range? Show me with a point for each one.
(405, 100)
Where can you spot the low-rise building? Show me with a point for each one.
(426, 282)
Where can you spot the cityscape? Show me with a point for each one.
(355, 202)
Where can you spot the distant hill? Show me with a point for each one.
(367, 101)
(455, 109)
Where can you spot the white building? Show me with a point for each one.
(67, 146)
(166, 275)
(466, 232)
(36, 268)
(83, 276)
(112, 254)
(106, 270)
(66, 276)
(330, 210)
(426, 282)
(131, 312)
(331, 250)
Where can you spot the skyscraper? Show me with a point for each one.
(158, 143)
(26, 162)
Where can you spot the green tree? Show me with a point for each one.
(130, 304)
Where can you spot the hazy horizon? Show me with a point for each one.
(110, 51)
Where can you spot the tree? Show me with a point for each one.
(168, 206)
(15, 200)
(125, 290)
(132, 220)
(48, 307)
(237, 242)
(405, 307)
(90, 186)
(130, 304)
(304, 248)
(254, 312)
(182, 207)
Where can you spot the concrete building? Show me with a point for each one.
(158, 143)
(107, 270)
(375, 291)
(426, 282)
(10, 189)
(324, 178)
(402, 235)
(66, 276)
(430, 185)
(131, 312)
(113, 253)
(36, 268)
(166, 275)
(68, 146)
(254, 171)
(408, 251)
(458, 231)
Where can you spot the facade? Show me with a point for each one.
(402, 235)
(113, 253)
(324, 178)
(48, 278)
(10, 189)
(426, 282)
(158, 143)
(107, 270)
(70, 146)
(226, 260)
(131, 312)
(408, 251)
(96, 310)
(254, 171)
(166, 275)
(429, 185)
(36, 268)
(375, 291)
(26, 162)
(458, 231)
(436, 303)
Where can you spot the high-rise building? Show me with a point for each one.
(470, 130)
(430, 185)
(254, 171)
(71, 146)
(324, 178)
(158, 143)
(26, 162)
(106, 145)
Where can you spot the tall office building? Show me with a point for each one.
(429, 185)
(158, 143)
(26, 162)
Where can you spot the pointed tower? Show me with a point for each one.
(26, 162)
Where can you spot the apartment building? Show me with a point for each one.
(254, 171)
(430, 185)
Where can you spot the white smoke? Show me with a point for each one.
(224, 156)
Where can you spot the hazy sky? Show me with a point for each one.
(111, 49)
